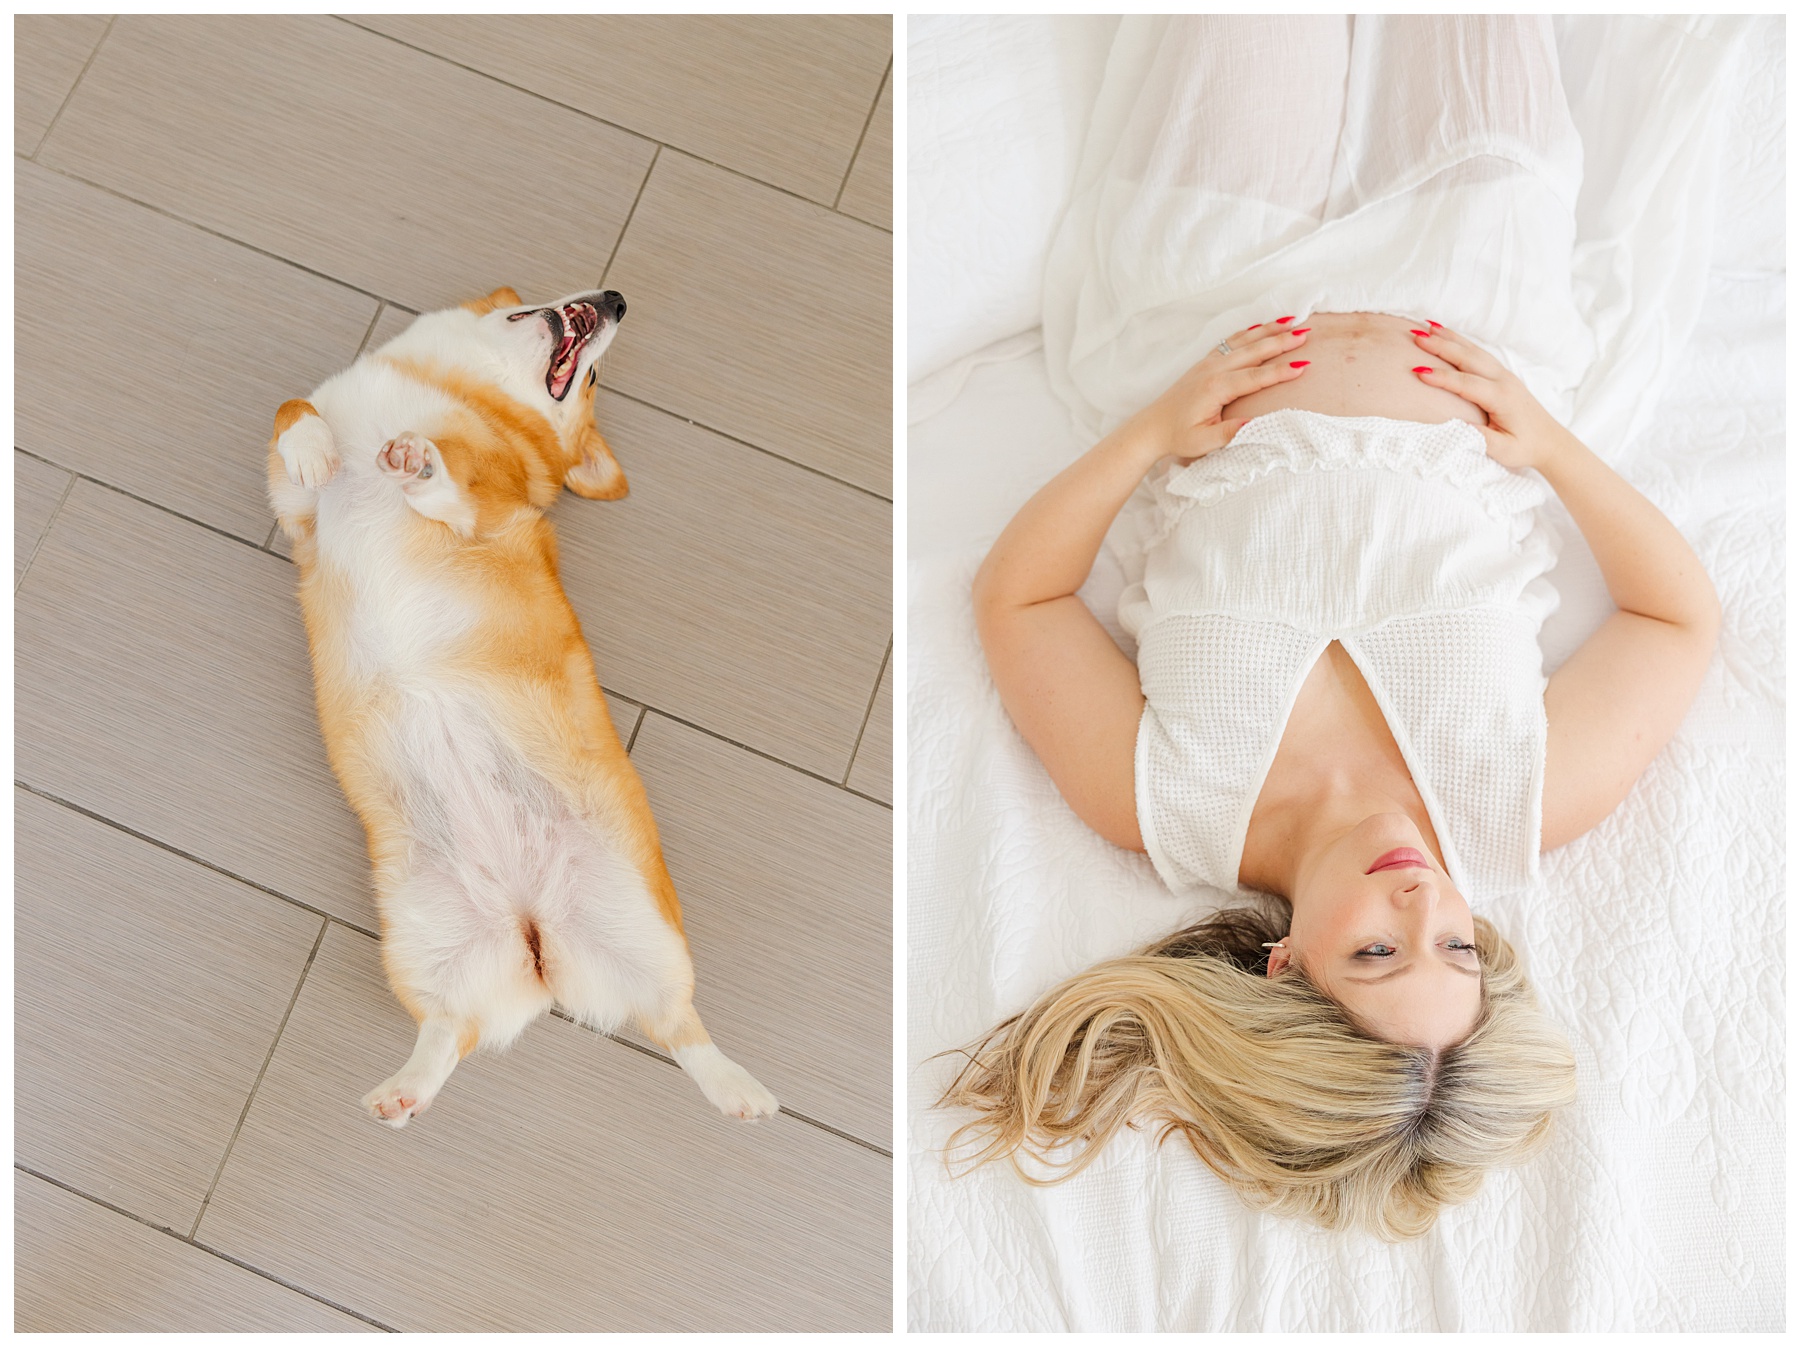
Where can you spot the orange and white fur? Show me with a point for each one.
(516, 862)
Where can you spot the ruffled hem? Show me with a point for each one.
(1452, 452)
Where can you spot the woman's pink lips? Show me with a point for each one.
(1397, 858)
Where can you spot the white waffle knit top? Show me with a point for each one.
(1402, 541)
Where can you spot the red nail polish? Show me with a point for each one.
(1288, 319)
(1253, 327)
(1420, 332)
(1299, 331)
(1421, 369)
(1298, 364)
(1434, 322)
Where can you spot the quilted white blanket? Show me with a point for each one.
(1656, 940)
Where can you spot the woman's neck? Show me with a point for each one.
(1289, 832)
(1337, 764)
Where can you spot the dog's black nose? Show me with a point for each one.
(614, 300)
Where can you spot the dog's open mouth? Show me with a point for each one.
(573, 326)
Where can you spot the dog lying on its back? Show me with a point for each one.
(516, 861)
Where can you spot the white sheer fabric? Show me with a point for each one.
(1239, 168)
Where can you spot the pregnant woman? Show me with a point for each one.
(1338, 711)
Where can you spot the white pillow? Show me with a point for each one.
(997, 107)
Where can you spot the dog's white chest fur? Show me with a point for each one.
(400, 619)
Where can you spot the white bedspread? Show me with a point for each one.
(1657, 940)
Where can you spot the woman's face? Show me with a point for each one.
(1379, 928)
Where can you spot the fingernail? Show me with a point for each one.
(1298, 364)
(1421, 369)
(1288, 319)
(1434, 322)
(1299, 331)
(1253, 327)
(1420, 332)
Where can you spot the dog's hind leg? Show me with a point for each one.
(732, 1090)
(441, 1044)
(613, 955)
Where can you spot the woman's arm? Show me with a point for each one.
(1069, 689)
(1619, 698)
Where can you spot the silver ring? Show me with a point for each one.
(1224, 349)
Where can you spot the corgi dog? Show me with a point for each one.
(515, 859)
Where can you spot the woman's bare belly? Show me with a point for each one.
(1361, 366)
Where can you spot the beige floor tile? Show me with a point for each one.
(153, 355)
(759, 315)
(394, 321)
(162, 680)
(731, 589)
(351, 154)
(148, 993)
(869, 191)
(79, 1268)
(38, 489)
(873, 771)
(786, 886)
(570, 1183)
(49, 51)
(781, 98)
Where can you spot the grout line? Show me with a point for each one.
(727, 435)
(217, 233)
(783, 762)
(268, 543)
(45, 138)
(188, 856)
(380, 308)
(294, 1000)
(50, 522)
(868, 121)
(204, 1248)
(629, 216)
(493, 78)
(619, 126)
(663, 1057)
(838, 1132)
(169, 510)
(869, 711)
(636, 725)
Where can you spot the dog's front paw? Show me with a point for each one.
(309, 453)
(393, 1104)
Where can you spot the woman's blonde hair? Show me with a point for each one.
(1274, 1085)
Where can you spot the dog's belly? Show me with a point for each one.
(479, 816)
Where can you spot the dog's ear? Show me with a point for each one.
(504, 298)
(597, 475)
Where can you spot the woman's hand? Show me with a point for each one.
(1519, 432)
(1188, 421)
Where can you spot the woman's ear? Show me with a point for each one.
(1279, 958)
(597, 475)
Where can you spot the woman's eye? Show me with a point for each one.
(1376, 952)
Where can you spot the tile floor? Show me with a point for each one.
(213, 214)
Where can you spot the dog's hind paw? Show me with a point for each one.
(733, 1090)
(390, 1104)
